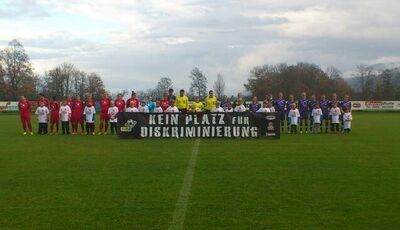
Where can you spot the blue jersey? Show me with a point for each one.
(254, 107)
(325, 106)
(303, 105)
(345, 105)
(151, 105)
(280, 105)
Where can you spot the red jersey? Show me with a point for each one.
(77, 107)
(24, 107)
(54, 107)
(120, 103)
(165, 104)
(45, 102)
(135, 102)
(104, 105)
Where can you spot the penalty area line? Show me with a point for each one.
(183, 199)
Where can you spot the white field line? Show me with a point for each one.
(183, 199)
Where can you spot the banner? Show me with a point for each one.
(8, 106)
(375, 105)
(198, 125)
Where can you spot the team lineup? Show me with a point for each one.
(314, 115)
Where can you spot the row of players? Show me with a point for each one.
(73, 110)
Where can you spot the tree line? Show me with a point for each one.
(17, 77)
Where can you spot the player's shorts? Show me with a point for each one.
(104, 116)
(77, 116)
(25, 116)
(325, 116)
(54, 117)
(282, 116)
(304, 115)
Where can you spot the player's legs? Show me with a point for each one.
(288, 123)
(106, 121)
(282, 118)
(82, 126)
(306, 124)
(74, 126)
(102, 120)
(64, 125)
(341, 122)
(28, 122)
(91, 128)
(87, 129)
(45, 127)
(23, 123)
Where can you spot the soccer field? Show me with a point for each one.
(301, 181)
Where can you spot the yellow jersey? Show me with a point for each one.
(197, 106)
(182, 102)
(211, 103)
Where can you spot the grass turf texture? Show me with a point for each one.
(302, 181)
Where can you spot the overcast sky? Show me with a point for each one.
(132, 43)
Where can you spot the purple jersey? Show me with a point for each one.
(288, 103)
(224, 104)
(325, 106)
(280, 105)
(303, 105)
(312, 104)
(254, 107)
(345, 105)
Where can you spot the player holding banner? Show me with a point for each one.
(24, 107)
(120, 103)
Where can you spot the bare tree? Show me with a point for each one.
(163, 85)
(18, 73)
(198, 86)
(95, 86)
(365, 76)
(219, 86)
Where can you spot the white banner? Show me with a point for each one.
(8, 105)
(375, 105)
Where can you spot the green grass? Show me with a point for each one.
(299, 182)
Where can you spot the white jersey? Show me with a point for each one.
(316, 115)
(158, 109)
(240, 108)
(65, 112)
(217, 110)
(89, 113)
(264, 110)
(335, 113)
(112, 112)
(144, 109)
(42, 114)
(294, 116)
(172, 109)
(347, 118)
(229, 110)
(132, 110)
